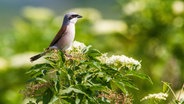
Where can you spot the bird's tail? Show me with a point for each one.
(37, 56)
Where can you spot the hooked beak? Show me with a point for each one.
(79, 16)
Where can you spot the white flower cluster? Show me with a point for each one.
(78, 45)
(76, 48)
(122, 61)
(158, 96)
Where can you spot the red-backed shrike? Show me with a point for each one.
(65, 36)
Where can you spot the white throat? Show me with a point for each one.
(73, 20)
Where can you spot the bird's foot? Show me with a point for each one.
(67, 55)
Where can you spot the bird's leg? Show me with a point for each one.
(67, 55)
(55, 50)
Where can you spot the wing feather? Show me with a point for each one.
(58, 36)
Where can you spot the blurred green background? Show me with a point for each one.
(148, 30)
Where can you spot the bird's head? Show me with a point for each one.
(71, 17)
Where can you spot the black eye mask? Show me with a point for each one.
(72, 16)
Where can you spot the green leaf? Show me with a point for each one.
(86, 49)
(120, 86)
(93, 53)
(169, 87)
(86, 77)
(77, 100)
(94, 64)
(108, 78)
(31, 102)
(62, 56)
(129, 84)
(56, 85)
(47, 96)
(165, 87)
(139, 75)
(53, 99)
(31, 80)
(98, 87)
(70, 89)
(39, 70)
(64, 102)
(41, 79)
(40, 66)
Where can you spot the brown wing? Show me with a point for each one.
(58, 36)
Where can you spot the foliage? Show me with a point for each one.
(82, 77)
(148, 30)
(164, 95)
(155, 32)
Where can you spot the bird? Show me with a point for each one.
(64, 37)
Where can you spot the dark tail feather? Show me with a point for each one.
(37, 56)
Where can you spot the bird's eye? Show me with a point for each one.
(72, 16)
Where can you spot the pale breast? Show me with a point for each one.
(66, 40)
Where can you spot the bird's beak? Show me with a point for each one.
(79, 16)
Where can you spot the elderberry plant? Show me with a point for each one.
(83, 76)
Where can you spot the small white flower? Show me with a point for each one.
(157, 96)
(76, 48)
(122, 60)
(78, 45)
(103, 58)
